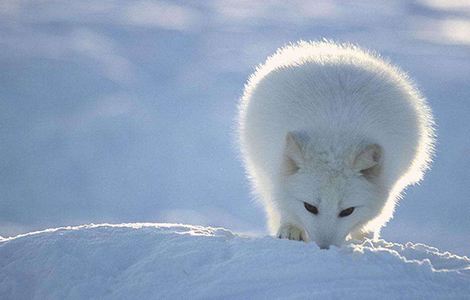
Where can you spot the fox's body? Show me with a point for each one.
(334, 127)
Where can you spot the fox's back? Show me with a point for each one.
(342, 92)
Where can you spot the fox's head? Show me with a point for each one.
(331, 191)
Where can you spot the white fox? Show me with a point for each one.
(330, 136)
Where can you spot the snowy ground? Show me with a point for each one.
(169, 261)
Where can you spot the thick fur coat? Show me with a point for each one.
(330, 136)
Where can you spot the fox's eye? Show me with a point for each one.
(346, 212)
(311, 208)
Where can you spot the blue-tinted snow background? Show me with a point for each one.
(123, 111)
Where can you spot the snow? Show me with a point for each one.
(173, 261)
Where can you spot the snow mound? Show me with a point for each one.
(150, 261)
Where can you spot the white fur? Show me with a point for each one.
(337, 127)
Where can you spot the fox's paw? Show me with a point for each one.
(291, 232)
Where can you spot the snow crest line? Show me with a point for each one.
(420, 254)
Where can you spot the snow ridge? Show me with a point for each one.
(145, 260)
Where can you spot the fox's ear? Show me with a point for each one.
(368, 161)
(293, 153)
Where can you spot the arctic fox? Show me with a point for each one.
(330, 135)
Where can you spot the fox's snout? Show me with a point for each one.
(324, 243)
(327, 242)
